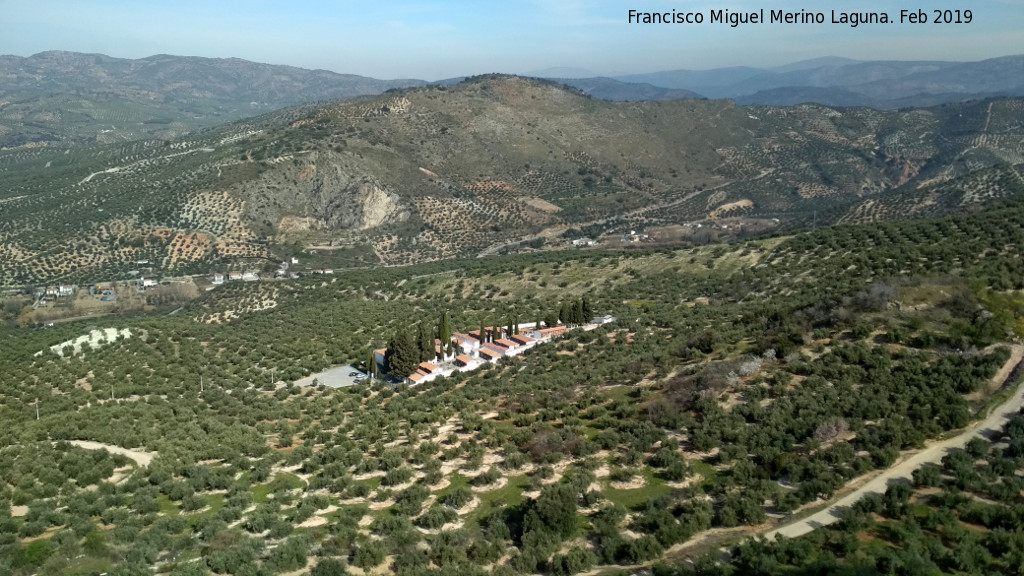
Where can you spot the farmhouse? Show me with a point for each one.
(606, 319)
(216, 278)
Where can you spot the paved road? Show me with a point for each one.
(932, 453)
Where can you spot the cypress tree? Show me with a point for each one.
(588, 314)
(426, 343)
(577, 312)
(483, 333)
(563, 314)
(403, 355)
(371, 364)
(444, 330)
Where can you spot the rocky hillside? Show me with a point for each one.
(495, 163)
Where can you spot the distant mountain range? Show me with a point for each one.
(72, 98)
(841, 82)
(83, 98)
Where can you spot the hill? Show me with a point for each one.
(495, 163)
(842, 82)
(69, 97)
(616, 91)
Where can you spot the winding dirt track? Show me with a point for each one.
(141, 458)
(932, 453)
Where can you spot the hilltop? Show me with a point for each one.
(496, 163)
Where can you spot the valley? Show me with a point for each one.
(740, 384)
(282, 321)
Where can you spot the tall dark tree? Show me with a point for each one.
(371, 364)
(576, 313)
(588, 313)
(403, 355)
(483, 332)
(551, 320)
(426, 342)
(444, 329)
(563, 314)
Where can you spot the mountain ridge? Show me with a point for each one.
(496, 163)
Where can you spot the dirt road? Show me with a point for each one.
(141, 458)
(931, 453)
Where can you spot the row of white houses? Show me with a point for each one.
(471, 353)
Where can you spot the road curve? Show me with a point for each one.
(141, 458)
(931, 453)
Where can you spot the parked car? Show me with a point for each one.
(352, 374)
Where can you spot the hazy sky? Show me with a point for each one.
(440, 39)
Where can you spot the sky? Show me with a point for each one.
(432, 39)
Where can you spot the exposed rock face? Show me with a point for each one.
(341, 200)
(327, 191)
(380, 206)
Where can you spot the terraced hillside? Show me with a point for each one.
(739, 385)
(495, 163)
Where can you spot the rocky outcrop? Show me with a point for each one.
(341, 200)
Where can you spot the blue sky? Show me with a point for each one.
(435, 39)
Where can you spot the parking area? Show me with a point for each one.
(338, 377)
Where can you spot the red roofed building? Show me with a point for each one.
(490, 354)
(509, 347)
(523, 340)
(548, 333)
